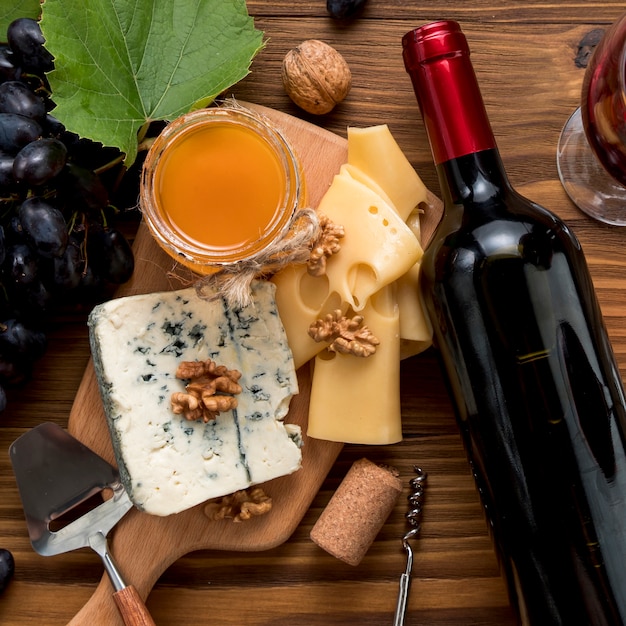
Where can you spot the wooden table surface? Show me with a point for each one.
(525, 55)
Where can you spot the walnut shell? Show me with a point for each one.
(315, 76)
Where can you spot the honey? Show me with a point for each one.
(219, 186)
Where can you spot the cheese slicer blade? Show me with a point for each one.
(56, 473)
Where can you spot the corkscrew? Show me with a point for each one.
(414, 519)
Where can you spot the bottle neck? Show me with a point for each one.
(474, 179)
(437, 58)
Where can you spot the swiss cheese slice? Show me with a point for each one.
(378, 246)
(357, 399)
(374, 153)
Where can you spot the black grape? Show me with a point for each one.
(14, 231)
(21, 264)
(8, 68)
(26, 41)
(21, 341)
(45, 226)
(110, 255)
(7, 180)
(16, 131)
(52, 127)
(35, 300)
(7, 562)
(3, 245)
(66, 271)
(17, 97)
(90, 154)
(39, 161)
(342, 9)
(84, 187)
(13, 371)
(90, 282)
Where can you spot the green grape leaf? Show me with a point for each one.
(10, 10)
(121, 64)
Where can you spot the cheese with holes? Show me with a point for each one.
(166, 462)
(376, 197)
(375, 158)
(376, 182)
(357, 399)
(378, 247)
(302, 299)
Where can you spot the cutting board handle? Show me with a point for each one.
(132, 608)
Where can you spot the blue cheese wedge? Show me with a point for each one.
(168, 463)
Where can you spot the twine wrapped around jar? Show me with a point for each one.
(223, 193)
(232, 282)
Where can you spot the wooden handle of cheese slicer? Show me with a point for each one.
(129, 602)
(131, 607)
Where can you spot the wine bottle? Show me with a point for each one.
(534, 382)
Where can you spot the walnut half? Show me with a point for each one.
(211, 390)
(239, 506)
(346, 335)
(326, 245)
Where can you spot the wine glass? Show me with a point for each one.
(591, 155)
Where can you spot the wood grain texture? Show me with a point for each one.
(524, 55)
(132, 608)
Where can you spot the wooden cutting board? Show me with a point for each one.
(144, 546)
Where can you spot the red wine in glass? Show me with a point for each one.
(591, 156)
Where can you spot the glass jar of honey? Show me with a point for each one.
(219, 186)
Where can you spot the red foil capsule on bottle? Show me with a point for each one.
(433, 57)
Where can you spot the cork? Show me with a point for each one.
(357, 511)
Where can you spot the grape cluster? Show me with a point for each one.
(58, 237)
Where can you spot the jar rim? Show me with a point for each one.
(206, 259)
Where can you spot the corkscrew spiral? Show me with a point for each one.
(414, 519)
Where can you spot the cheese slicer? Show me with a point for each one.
(55, 474)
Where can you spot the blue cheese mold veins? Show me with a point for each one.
(167, 463)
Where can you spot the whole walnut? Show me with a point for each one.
(316, 77)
